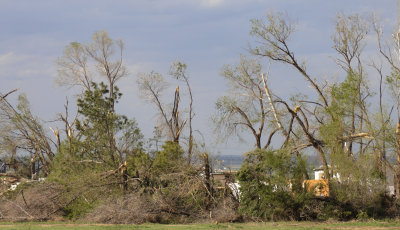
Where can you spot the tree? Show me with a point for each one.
(178, 70)
(169, 160)
(351, 32)
(272, 35)
(391, 132)
(102, 135)
(105, 54)
(244, 108)
(84, 65)
(22, 134)
(172, 119)
(100, 125)
(94, 158)
(270, 184)
(151, 86)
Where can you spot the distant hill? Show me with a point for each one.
(233, 162)
(228, 162)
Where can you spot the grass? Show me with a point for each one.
(251, 226)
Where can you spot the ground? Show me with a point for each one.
(251, 226)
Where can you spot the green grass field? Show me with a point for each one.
(251, 226)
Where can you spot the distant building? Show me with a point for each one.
(320, 185)
(319, 173)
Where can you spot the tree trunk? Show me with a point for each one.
(397, 173)
(258, 141)
(396, 183)
(207, 173)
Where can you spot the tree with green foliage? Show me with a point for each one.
(102, 137)
(273, 34)
(169, 159)
(338, 123)
(92, 160)
(100, 125)
(271, 184)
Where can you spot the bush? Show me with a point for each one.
(271, 185)
(78, 208)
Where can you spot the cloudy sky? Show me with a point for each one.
(206, 34)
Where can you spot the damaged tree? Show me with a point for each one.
(244, 108)
(151, 86)
(272, 35)
(80, 63)
(390, 52)
(21, 132)
(178, 70)
(171, 121)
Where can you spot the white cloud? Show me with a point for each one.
(212, 3)
(230, 3)
(140, 67)
(14, 65)
(194, 4)
(8, 58)
(9, 64)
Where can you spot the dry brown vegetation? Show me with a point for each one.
(48, 201)
(37, 202)
(99, 168)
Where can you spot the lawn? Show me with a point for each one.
(251, 226)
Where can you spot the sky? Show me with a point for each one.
(205, 34)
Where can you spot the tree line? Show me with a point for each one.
(98, 158)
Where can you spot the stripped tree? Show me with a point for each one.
(22, 133)
(244, 107)
(151, 87)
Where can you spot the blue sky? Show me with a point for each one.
(206, 34)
